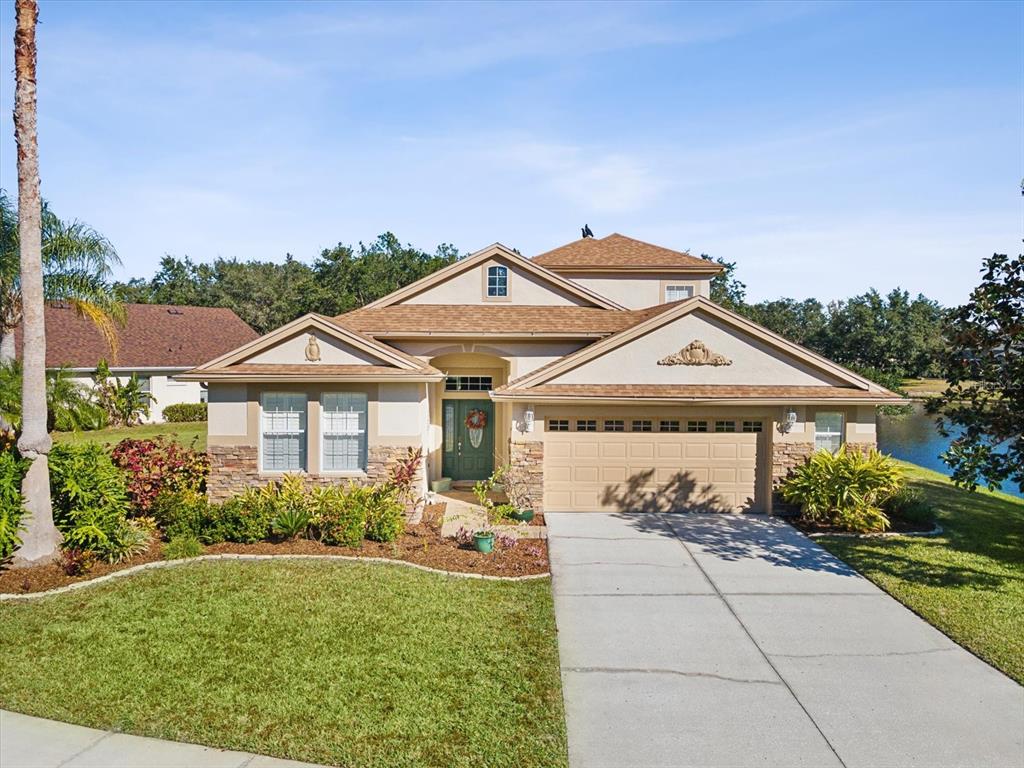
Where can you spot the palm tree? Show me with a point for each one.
(40, 541)
(77, 264)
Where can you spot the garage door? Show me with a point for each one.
(664, 471)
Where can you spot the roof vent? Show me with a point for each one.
(174, 311)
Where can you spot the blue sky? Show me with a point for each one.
(826, 148)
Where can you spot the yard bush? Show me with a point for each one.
(181, 547)
(180, 513)
(385, 514)
(845, 490)
(153, 466)
(910, 504)
(185, 412)
(339, 514)
(244, 519)
(90, 503)
(12, 470)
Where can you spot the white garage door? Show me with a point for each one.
(665, 471)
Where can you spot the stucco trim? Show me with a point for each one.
(703, 304)
(496, 250)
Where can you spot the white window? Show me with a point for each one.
(283, 431)
(828, 431)
(678, 292)
(497, 281)
(343, 426)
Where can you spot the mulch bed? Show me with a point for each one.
(421, 544)
(897, 525)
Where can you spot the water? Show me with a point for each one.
(916, 439)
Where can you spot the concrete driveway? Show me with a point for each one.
(713, 640)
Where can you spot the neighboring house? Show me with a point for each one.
(602, 368)
(157, 342)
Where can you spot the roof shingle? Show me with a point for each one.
(153, 336)
(618, 252)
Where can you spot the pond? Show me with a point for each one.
(916, 439)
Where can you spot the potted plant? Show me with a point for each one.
(483, 541)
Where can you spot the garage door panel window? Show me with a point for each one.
(828, 431)
(696, 426)
(614, 425)
(586, 425)
(668, 426)
(752, 426)
(725, 426)
(343, 426)
(283, 431)
(558, 425)
(643, 425)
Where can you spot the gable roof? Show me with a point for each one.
(491, 251)
(507, 320)
(620, 253)
(153, 336)
(389, 362)
(537, 382)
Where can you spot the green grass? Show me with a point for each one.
(341, 663)
(968, 582)
(184, 432)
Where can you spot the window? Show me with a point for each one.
(614, 425)
(343, 426)
(751, 426)
(643, 425)
(586, 425)
(558, 425)
(145, 387)
(668, 426)
(468, 384)
(828, 431)
(725, 426)
(696, 426)
(283, 431)
(678, 292)
(204, 394)
(497, 282)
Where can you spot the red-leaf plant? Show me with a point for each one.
(152, 466)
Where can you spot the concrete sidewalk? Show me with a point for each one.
(31, 742)
(719, 640)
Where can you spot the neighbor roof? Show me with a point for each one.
(489, 319)
(620, 253)
(153, 336)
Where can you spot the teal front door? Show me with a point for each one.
(468, 450)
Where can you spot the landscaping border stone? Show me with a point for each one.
(4, 597)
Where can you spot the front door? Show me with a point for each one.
(468, 439)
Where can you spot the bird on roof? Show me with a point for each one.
(586, 231)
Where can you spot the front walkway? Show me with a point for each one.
(714, 640)
(31, 742)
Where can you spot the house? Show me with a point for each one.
(157, 342)
(601, 368)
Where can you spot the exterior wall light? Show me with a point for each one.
(788, 419)
(528, 419)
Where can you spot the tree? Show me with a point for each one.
(726, 289)
(77, 265)
(800, 321)
(41, 540)
(984, 366)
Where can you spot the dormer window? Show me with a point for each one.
(497, 282)
(678, 292)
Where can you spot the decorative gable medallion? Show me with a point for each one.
(312, 349)
(695, 353)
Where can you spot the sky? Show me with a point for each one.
(826, 148)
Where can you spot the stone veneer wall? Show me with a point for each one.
(233, 468)
(530, 457)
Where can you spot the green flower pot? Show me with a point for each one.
(484, 542)
(523, 515)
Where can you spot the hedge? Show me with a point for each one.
(185, 412)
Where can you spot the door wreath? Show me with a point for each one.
(476, 420)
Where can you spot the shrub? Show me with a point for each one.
(846, 489)
(156, 465)
(90, 503)
(181, 547)
(339, 514)
(244, 519)
(125, 403)
(185, 412)
(385, 514)
(75, 562)
(12, 470)
(180, 513)
(291, 505)
(910, 504)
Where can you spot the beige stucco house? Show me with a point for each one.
(602, 367)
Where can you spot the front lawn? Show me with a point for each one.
(340, 663)
(184, 432)
(968, 582)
